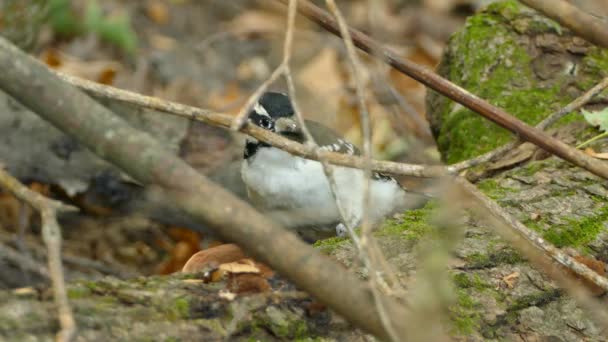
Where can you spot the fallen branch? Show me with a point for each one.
(458, 94)
(51, 234)
(588, 26)
(148, 161)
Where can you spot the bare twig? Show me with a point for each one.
(544, 124)
(224, 120)
(458, 94)
(574, 105)
(365, 247)
(588, 26)
(51, 234)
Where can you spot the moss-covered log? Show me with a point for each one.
(518, 60)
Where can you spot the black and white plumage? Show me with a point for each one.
(295, 191)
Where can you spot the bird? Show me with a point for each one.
(295, 192)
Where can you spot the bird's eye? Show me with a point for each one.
(266, 123)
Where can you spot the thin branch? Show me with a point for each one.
(544, 124)
(588, 26)
(51, 234)
(224, 120)
(458, 94)
(365, 247)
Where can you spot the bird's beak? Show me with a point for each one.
(286, 125)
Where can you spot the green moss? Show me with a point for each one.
(413, 225)
(577, 232)
(492, 189)
(465, 314)
(330, 245)
(179, 308)
(465, 281)
(530, 169)
(75, 292)
(489, 58)
(488, 51)
(500, 257)
(596, 63)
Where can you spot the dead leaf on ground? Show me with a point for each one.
(241, 266)
(257, 21)
(602, 155)
(247, 283)
(158, 12)
(213, 257)
(102, 71)
(227, 295)
(511, 279)
(597, 266)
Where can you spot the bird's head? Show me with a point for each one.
(274, 112)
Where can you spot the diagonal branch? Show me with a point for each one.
(223, 120)
(576, 104)
(458, 94)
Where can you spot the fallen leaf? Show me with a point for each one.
(246, 283)
(597, 266)
(158, 12)
(602, 155)
(511, 279)
(241, 266)
(213, 257)
(102, 71)
(24, 291)
(227, 295)
(257, 21)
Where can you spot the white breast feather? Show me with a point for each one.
(286, 182)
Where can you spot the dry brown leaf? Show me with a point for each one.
(213, 257)
(227, 295)
(602, 155)
(161, 42)
(246, 283)
(24, 291)
(511, 279)
(257, 21)
(102, 71)
(596, 265)
(157, 11)
(241, 266)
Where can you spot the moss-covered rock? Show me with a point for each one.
(518, 60)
